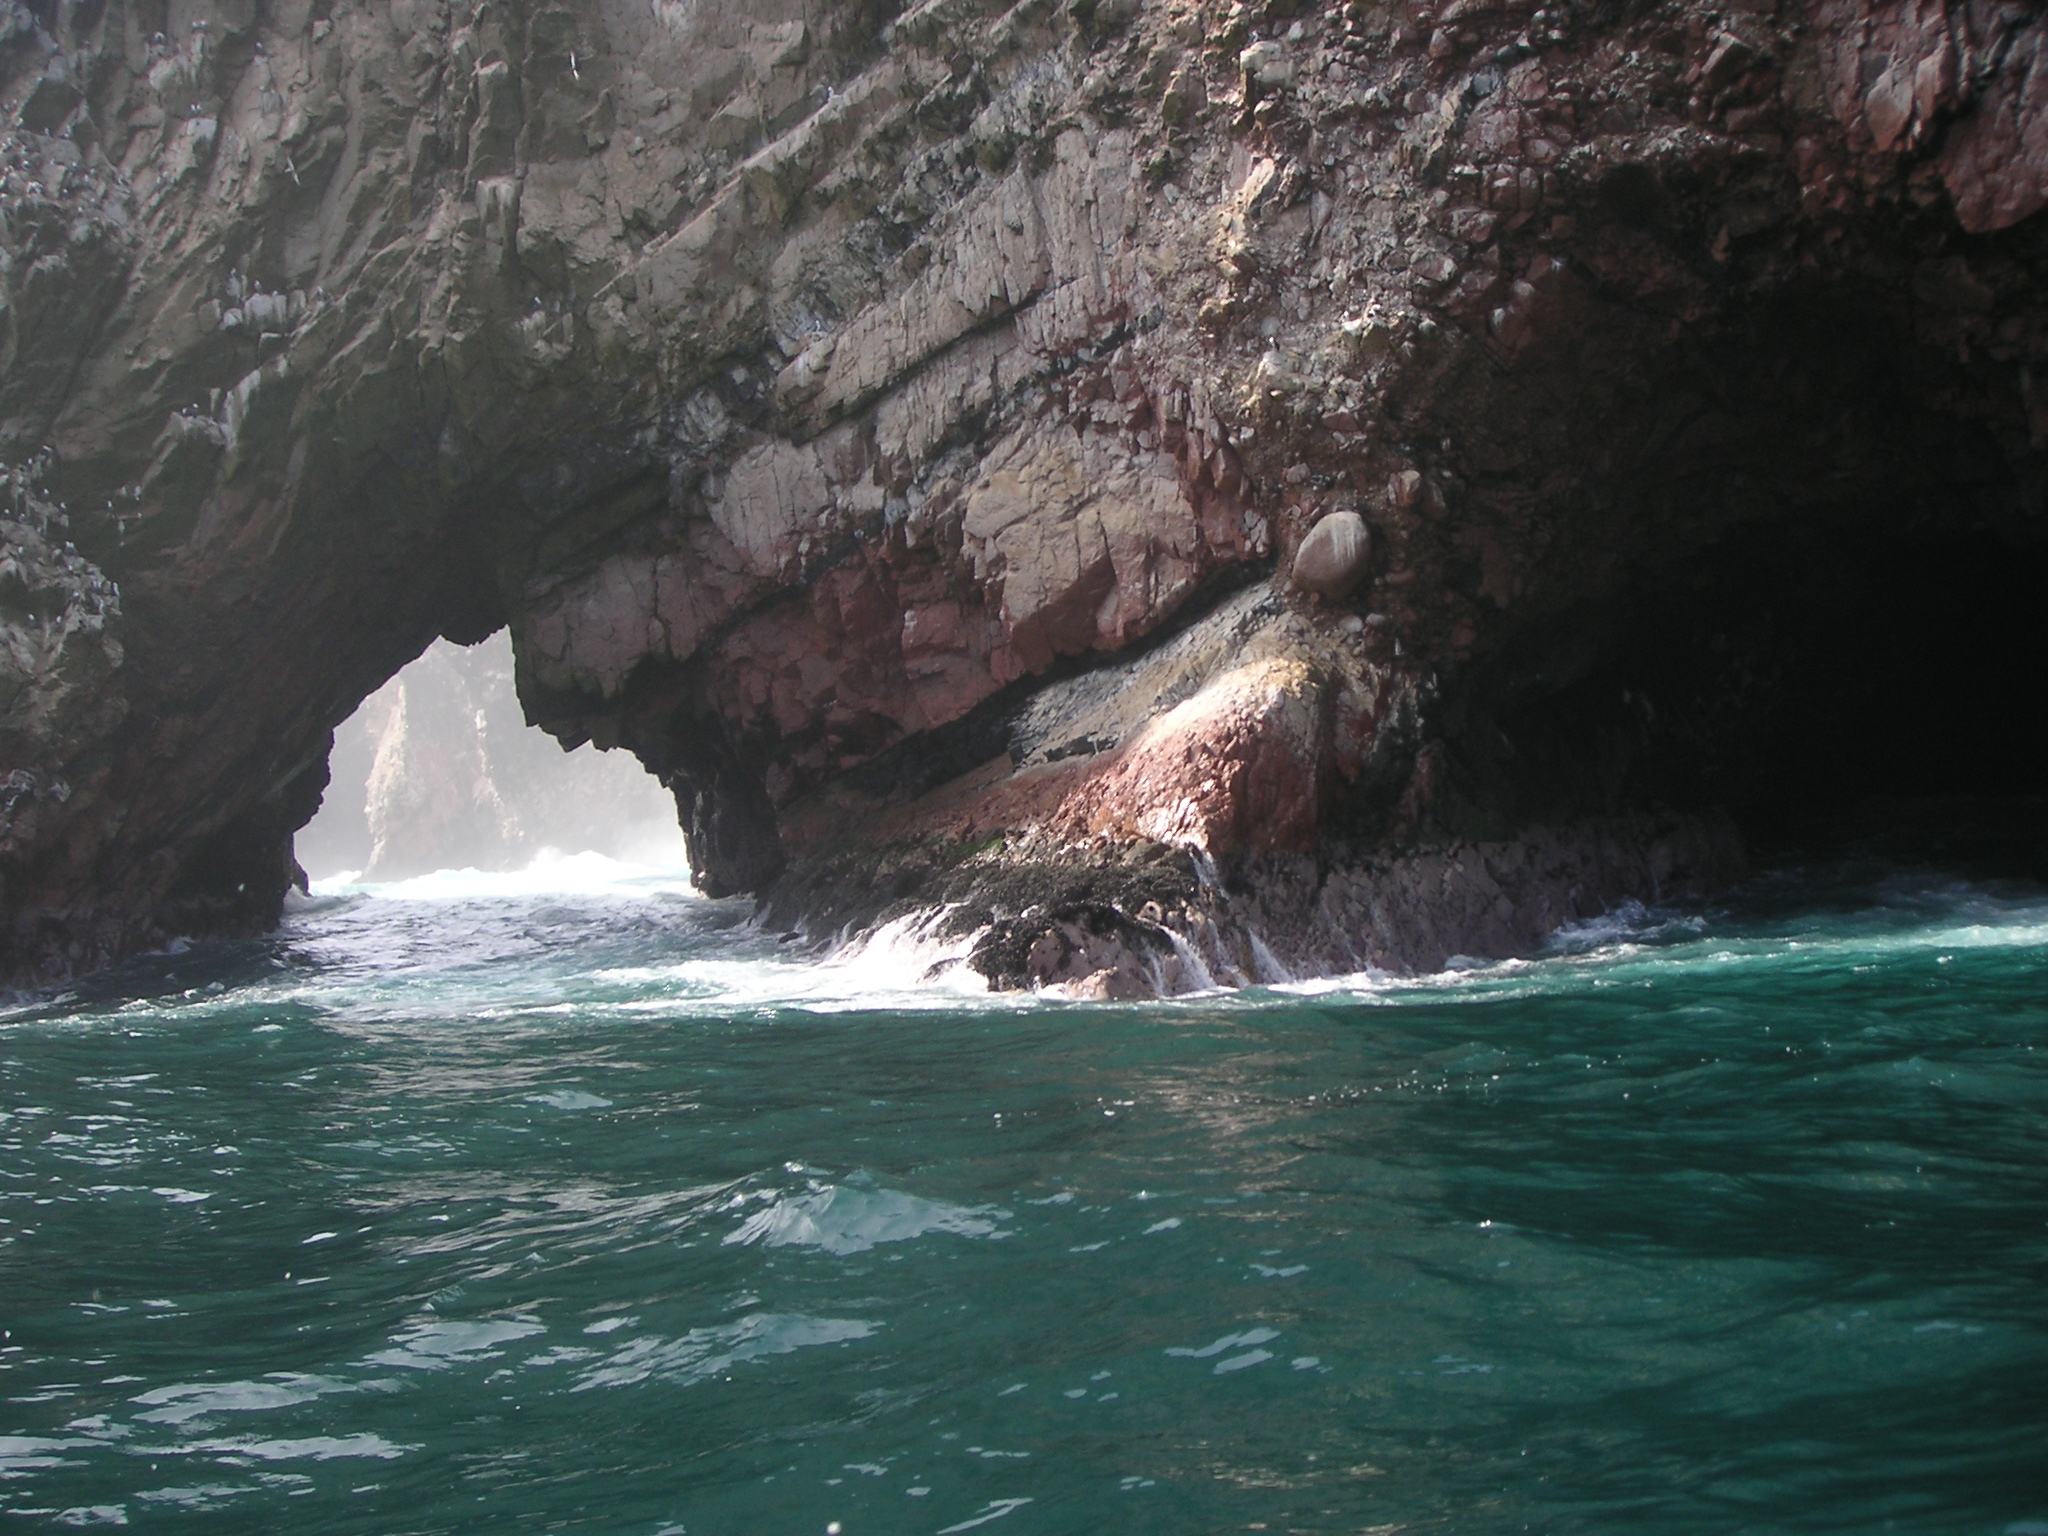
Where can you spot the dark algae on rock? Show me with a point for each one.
(1187, 487)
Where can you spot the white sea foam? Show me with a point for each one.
(202, 1496)
(907, 963)
(1629, 923)
(29, 1453)
(549, 874)
(1241, 1362)
(909, 951)
(570, 1099)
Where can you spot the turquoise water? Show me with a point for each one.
(569, 1204)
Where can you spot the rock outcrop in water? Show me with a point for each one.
(899, 427)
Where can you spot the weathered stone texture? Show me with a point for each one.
(1331, 560)
(813, 389)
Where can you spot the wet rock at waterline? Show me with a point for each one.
(928, 445)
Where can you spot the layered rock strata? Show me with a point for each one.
(903, 430)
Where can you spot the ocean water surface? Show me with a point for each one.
(567, 1201)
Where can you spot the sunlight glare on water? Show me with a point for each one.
(568, 1200)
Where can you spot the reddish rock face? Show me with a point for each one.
(1972, 75)
(1063, 547)
(831, 412)
(1246, 763)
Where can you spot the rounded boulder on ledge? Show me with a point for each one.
(1333, 557)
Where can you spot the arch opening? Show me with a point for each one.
(439, 769)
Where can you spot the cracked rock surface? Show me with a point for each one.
(900, 428)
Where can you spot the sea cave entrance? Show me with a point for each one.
(1812, 595)
(438, 769)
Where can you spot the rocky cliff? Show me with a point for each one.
(1238, 486)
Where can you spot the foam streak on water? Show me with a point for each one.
(570, 1200)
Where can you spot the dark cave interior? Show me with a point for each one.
(1778, 679)
(1821, 608)
(1814, 684)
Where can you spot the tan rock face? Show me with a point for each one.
(815, 400)
(1088, 543)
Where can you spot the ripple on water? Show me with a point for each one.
(706, 1352)
(486, 1208)
(842, 1219)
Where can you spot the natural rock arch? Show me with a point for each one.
(819, 392)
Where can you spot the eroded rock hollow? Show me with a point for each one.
(1179, 490)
